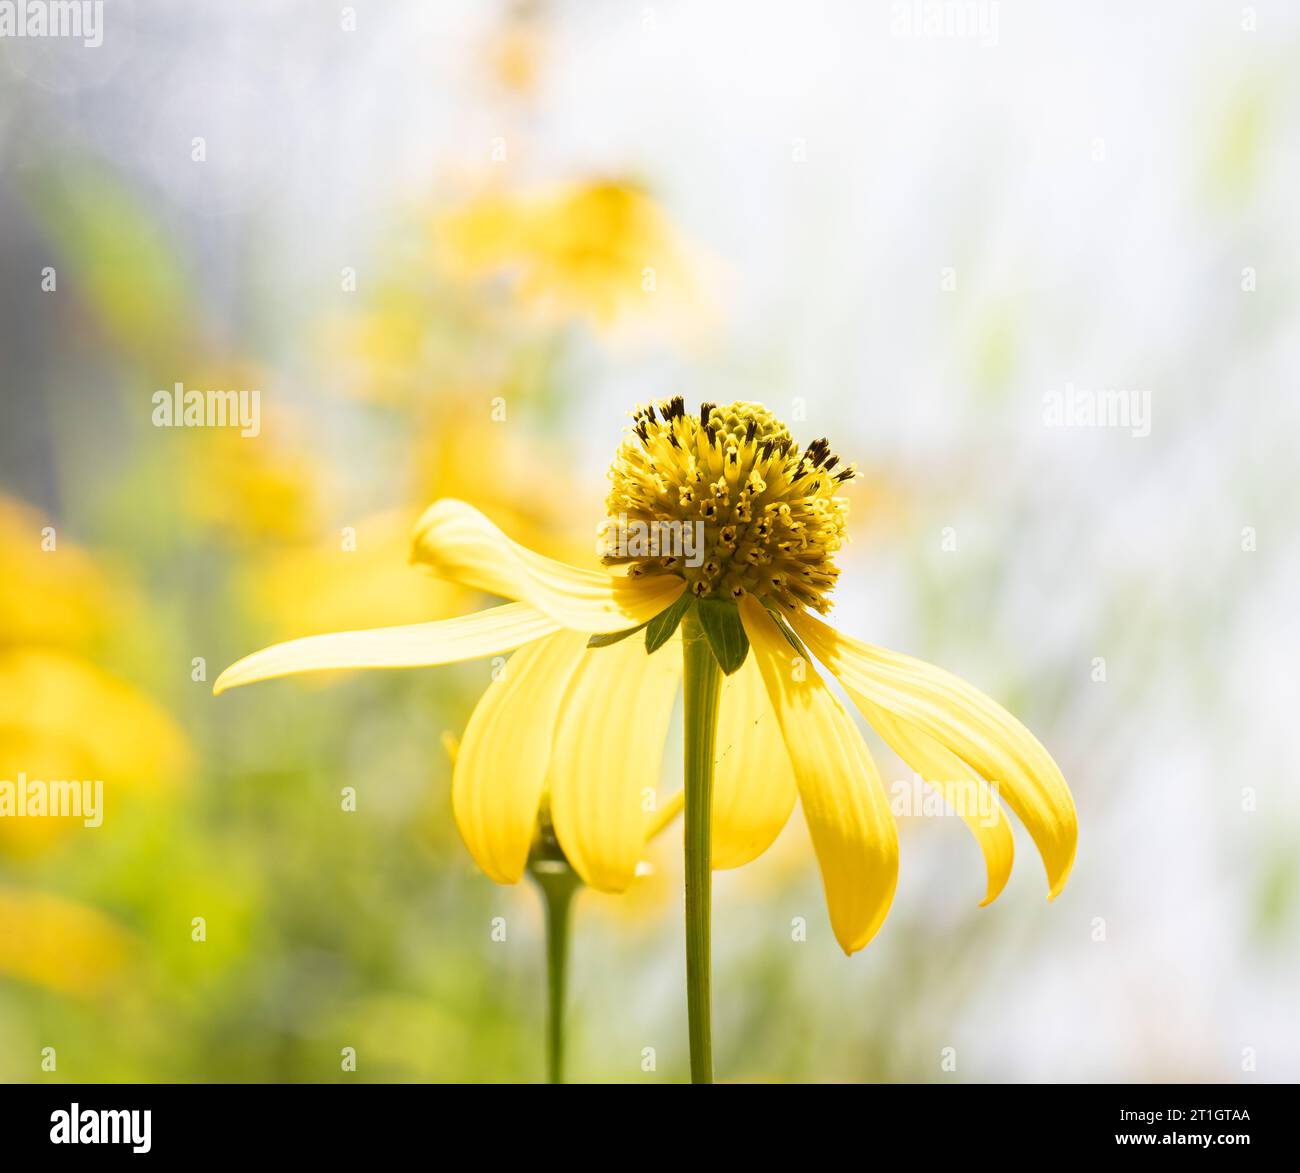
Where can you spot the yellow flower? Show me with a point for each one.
(589, 250)
(575, 725)
(252, 488)
(62, 716)
(59, 944)
(50, 597)
(515, 54)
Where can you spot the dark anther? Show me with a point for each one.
(817, 451)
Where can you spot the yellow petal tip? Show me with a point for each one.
(1057, 886)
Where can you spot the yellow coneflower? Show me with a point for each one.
(578, 719)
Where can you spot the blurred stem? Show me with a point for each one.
(558, 883)
(703, 686)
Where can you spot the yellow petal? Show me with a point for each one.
(417, 645)
(753, 786)
(608, 750)
(843, 801)
(965, 791)
(961, 718)
(500, 771)
(456, 541)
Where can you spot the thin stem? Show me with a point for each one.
(557, 883)
(703, 686)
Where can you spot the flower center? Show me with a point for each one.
(725, 500)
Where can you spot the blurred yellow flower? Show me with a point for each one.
(62, 716)
(59, 944)
(256, 487)
(515, 52)
(52, 597)
(100, 726)
(591, 250)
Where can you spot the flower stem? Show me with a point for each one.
(703, 686)
(557, 883)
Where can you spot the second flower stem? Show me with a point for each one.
(702, 688)
(558, 883)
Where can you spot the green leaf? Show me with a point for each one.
(660, 629)
(720, 619)
(604, 639)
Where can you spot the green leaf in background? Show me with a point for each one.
(118, 257)
(720, 619)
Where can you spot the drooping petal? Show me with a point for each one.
(753, 785)
(500, 771)
(843, 800)
(968, 723)
(416, 645)
(608, 749)
(965, 791)
(456, 541)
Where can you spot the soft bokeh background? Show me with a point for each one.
(412, 217)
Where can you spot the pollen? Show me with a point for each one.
(738, 507)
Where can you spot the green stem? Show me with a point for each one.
(703, 686)
(557, 883)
